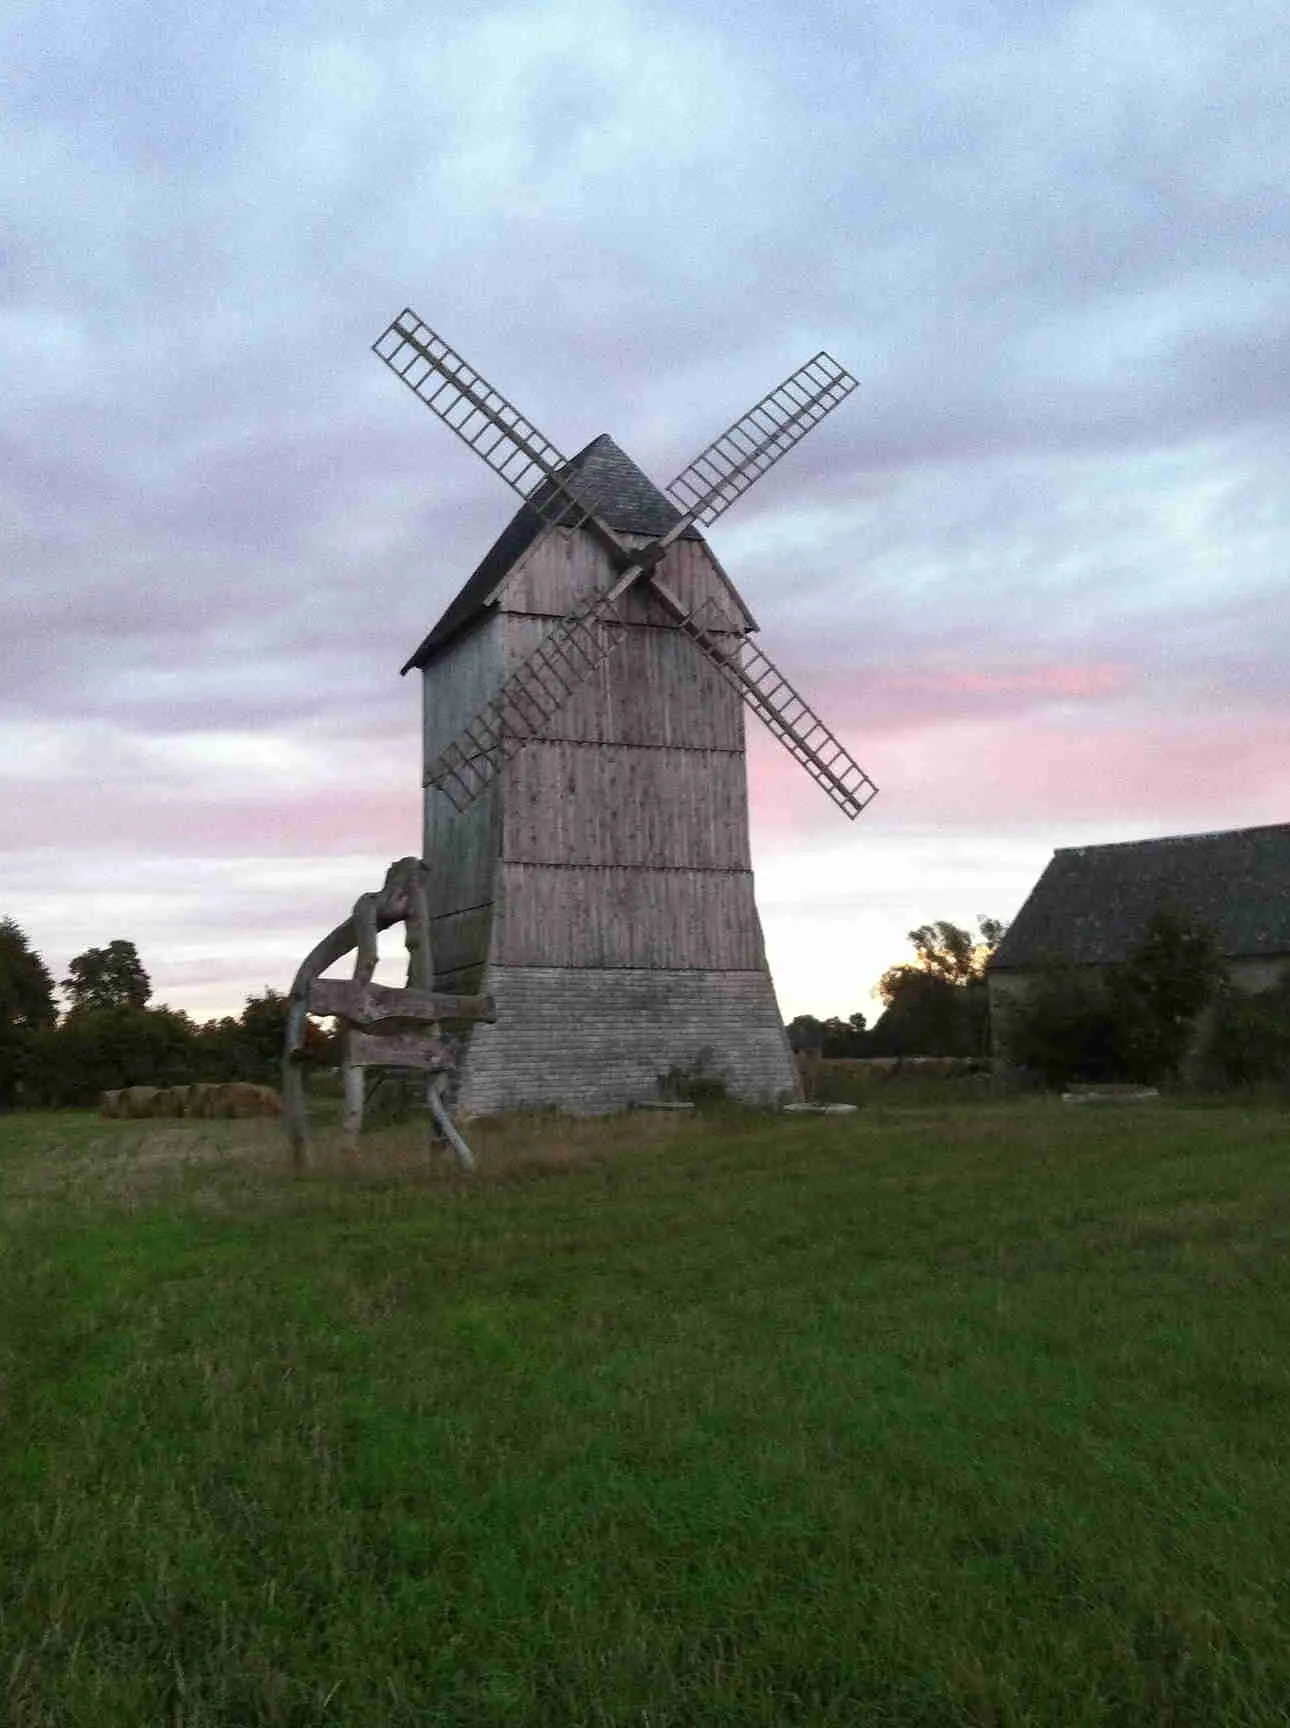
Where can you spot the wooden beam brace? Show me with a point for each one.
(372, 1005)
(399, 1050)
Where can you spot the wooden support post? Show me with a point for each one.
(293, 1085)
(354, 1081)
(447, 1127)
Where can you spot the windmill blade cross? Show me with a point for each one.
(490, 425)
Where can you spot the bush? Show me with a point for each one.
(927, 1015)
(1067, 1029)
(698, 1084)
(1171, 975)
(1248, 1041)
(1134, 1021)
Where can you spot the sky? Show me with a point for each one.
(1033, 571)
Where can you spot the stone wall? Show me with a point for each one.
(590, 1040)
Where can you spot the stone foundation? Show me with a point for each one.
(587, 1040)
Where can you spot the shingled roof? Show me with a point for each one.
(1092, 903)
(605, 480)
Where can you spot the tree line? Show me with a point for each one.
(1167, 1006)
(110, 1035)
(934, 1005)
(1167, 1013)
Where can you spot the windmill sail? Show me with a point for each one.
(480, 416)
(752, 445)
(764, 688)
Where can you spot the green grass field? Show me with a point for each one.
(971, 1414)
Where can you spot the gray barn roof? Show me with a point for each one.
(603, 478)
(1092, 903)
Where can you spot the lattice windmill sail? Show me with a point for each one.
(586, 796)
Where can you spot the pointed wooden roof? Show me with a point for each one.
(604, 479)
(1093, 903)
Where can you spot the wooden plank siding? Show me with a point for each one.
(626, 916)
(656, 688)
(460, 942)
(460, 851)
(564, 567)
(458, 682)
(571, 803)
(460, 847)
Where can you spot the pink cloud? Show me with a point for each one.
(1056, 772)
(882, 699)
(120, 818)
(1090, 680)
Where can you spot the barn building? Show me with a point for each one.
(1093, 903)
(601, 888)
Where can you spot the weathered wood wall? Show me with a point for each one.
(460, 847)
(625, 834)
(656, 688)
(564, 567)
(612, 804)
(626, 917)
(460, 942)
(603, 889)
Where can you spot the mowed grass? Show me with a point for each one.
(965, 1415)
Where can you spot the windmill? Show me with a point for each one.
(586, 811)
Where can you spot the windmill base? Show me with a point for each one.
(588, 1041)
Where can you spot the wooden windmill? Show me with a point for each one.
(586, 807)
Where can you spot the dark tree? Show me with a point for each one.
(805, 1032)
(937, 1006)
(264, 1030)
(1066, 1028)
(95, 1050)
(111, 977)
(926, 1015)
(946, 952)
(832, 1037)
(1170, 975)
(26, 1007)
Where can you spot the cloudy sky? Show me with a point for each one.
(1033, 571)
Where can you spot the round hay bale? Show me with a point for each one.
(217, 1100)
(198, 1097)
(270, 1101)
(241, 1099)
